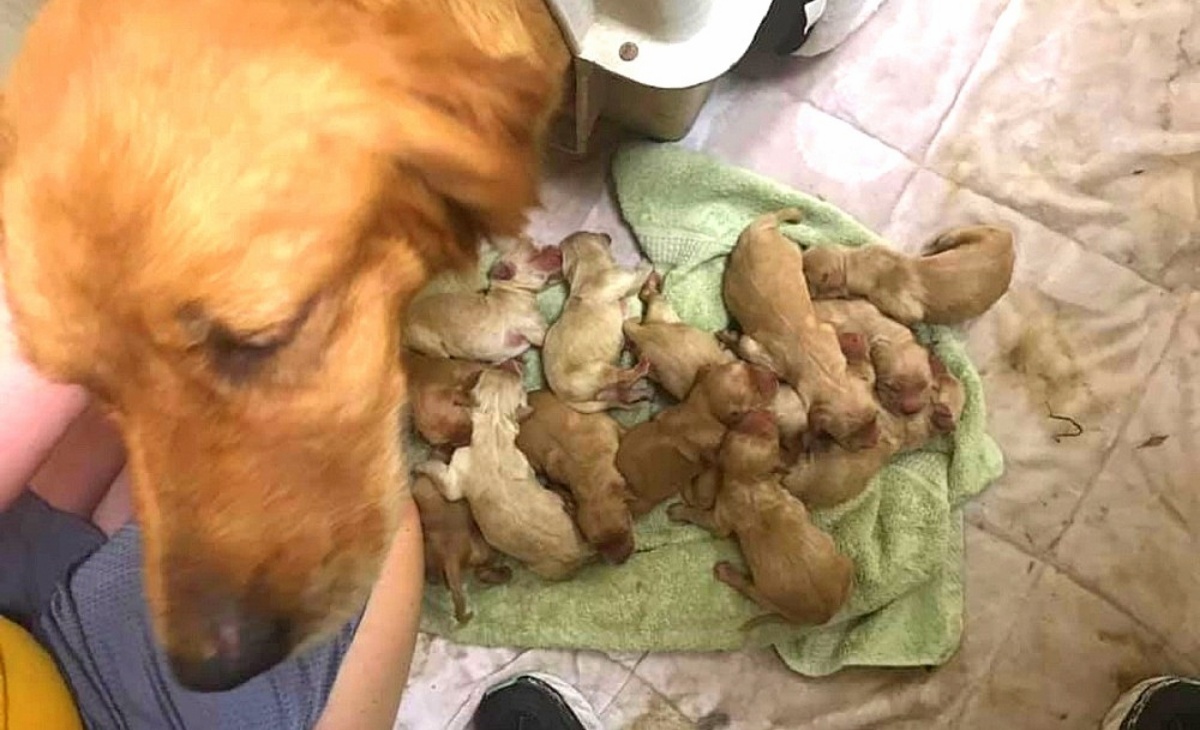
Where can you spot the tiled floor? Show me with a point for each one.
(1076, 122)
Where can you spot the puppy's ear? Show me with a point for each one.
(467, 126)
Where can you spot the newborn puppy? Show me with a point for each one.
(675, 351)
(582, 348)
(579, 450)
(492, 326)
(516, 514)
(901, 363)
(796, 571)
(829, 475)
(764, 291)
(665, 455)
(453, 545)
(439, 392)
(961, 275)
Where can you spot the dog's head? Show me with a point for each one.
(213, 213)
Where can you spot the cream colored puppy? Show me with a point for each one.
(515, 513)
(582, 348)
(490, 326)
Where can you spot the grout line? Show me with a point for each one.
(628, 678)
(937, 130)
(1081, 582)
(994, 657)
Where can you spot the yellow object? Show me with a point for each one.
(33, 695)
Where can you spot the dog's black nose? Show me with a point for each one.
(242, 645)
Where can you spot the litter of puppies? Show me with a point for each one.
(820, 385)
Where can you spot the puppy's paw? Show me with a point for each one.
(726, 573)
(729, 338)
(652, 287)
(679, 512)
(943, 418)
(494, 574)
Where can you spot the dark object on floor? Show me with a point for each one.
(1163, 703)
(787, 25)
(525, 703)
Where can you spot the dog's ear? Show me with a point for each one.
(467, 127)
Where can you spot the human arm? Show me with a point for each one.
(34, 413)
(366, 692)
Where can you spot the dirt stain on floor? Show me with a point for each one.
(1034, 346)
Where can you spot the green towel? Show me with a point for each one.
(905, 533)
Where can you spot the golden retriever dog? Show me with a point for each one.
(215, 213)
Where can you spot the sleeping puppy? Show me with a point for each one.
(829, 475)
(578, 450)
(439, 393)
(764, 290)
(959, 277)
(675, 351)
(516, 514)
(215, 214)
(582, 347)
(492, 326)
(666, 455)
(796, 571)
(901, 364)
(454, 545)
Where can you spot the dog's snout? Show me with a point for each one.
(240, 644)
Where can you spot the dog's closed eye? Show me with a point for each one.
(238, 356)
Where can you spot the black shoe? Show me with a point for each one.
(1164, 703)
(787, 25)
(533, 702)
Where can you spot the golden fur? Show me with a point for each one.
(765, 292)
(901, 364)
(214, 213)
(516, 514)
(582, 347)
(663, 456)
(961, 275)
(439, 394)
(675, 351)
(829, 475)
(578, 451)
(494, 325)
(454, 545)
(796, 571)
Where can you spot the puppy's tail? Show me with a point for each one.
(994, 240)
(776, 219)
(452, 574)
(767, 619)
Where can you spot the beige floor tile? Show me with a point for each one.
(770, 132)
(1077, 336)
(1069, 657)
(1135, 538)
(442, 679)
(639, 707)
(754, 689)
(1079, 115)
(880, 79)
